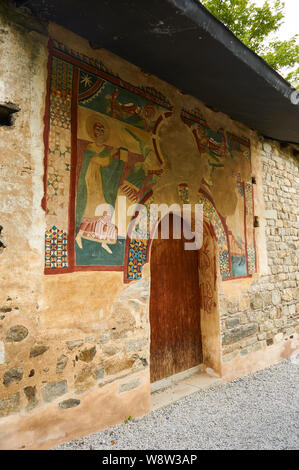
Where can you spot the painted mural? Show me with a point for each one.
(115, 157)
(104, 148)
(227, 195)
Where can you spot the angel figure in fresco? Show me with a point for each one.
(105, 172)
(120, 110)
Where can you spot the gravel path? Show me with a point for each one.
(259, 411)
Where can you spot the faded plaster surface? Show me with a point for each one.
(99, 409)
(75, 344)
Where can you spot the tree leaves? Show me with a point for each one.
(255, 27)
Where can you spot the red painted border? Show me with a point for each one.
(47, 128)
(254, 242)
(72, 190)
(245, 226)
(83, 268)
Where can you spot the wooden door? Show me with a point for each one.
(174, 307)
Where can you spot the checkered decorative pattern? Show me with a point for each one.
(56, 254)
(61, 93)
(58, 163)
(137, 258)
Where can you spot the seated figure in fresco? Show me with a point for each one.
(105, 173)
(98, 185)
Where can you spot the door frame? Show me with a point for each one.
(209, 314)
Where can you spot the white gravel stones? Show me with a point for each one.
(259, 411)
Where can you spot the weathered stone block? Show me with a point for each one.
(233, 307)
(10, 405)
(256, 302)
(261, 336)
(232, 322)
(100, 372)
(250, 340)
(88, 354)
(278, 338)
(30, 393)
(38, 350)
(54, 390)
(104, 338)
(2, 353)
(85, 380)
(140, 362)
(110, 349)
(13, 375)
(234, 335)
(130, 385)
(229, 357)
(61, 363)
(260, 316)
(256, 346)
(292, 310)
(244, 352)
(287, 295)
(135, 344)
(244, 303)
(116, 364)
(290, 331)
(74, 344)
(269, 325)
(273, 313)
(276, 297)
(16, 333)
(271, 214)
(267, 298)
(70, 403)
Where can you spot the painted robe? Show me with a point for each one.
(98, 184)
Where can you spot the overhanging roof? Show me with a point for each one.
(180, 42)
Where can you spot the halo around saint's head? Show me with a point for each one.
(90, 123)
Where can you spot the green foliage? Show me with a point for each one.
(128, 419)
(255, 26)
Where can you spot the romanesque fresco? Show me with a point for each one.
(101, 146)
(227, 196)
(115, 157)
(105, 147)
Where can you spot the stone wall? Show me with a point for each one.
(23, 62)
(267, 313)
